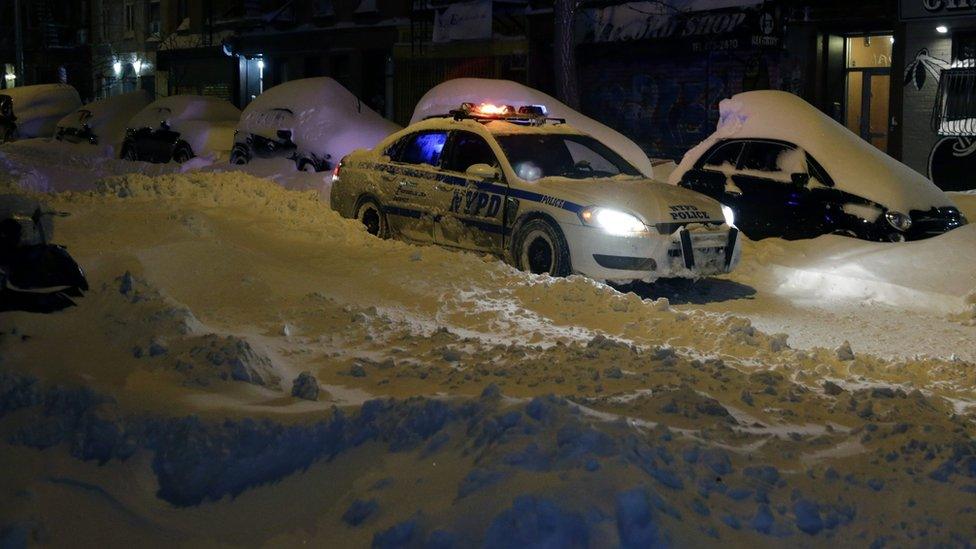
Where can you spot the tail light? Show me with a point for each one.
(335, 171)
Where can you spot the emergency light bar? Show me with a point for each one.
(526, 115)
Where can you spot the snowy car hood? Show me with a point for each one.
(856, 166)
(653, 201)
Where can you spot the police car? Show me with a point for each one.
(532, 189)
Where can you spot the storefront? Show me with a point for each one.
(939, 106)
(657, 75)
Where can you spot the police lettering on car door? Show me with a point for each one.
(476, 203)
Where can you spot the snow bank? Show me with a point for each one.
(323, 116)
(855, 165)
(108, 118)
(932, 275)
(38, 108)
(449, 95)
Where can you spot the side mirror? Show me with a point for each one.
(483, 171)
(800, 179)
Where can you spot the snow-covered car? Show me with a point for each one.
(540, 193)
(34, 111)
(313, 122)
(788, 170)
(180, 127)
(102, 122)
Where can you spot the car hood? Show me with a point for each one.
(652, 201)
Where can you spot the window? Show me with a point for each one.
(726, 154)
(130, 17)
(155, 18)
(955, 104)
(423, 148)
(467, 150)
(534, 156)
(764, 156)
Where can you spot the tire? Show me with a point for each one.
(182, 153)
(6, 135)
(371, 215)
(308, 165)
(240, 155)
(129, 152)
(539, 247)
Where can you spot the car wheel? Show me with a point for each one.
(371, 215)
(129, 152)
(182, 153)
(240, 155)
(6, 134)
(540, 248)
(307, 165)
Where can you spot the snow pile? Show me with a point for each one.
(108, 118)
(449, 96)
(38, 108)
(855, 165)
(323, 116)
(928, 275)
(243, 340)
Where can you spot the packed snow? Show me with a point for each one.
(251, 369)
(855, 165)
(449, 95)
(38, 108)
(324, 117)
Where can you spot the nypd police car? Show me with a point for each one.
(532, 189)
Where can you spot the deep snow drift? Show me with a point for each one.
(171, 404)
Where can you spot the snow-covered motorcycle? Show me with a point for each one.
(34, 274)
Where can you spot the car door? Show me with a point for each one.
(773, 178)
(471, 206)
(409, 180)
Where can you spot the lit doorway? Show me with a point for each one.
(869, 87)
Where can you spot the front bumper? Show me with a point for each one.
(683, 254)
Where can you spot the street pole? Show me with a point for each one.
(19, 44)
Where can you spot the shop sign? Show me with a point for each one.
(714, 30)
(931, 9)
(463, 21)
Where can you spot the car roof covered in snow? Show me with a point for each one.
(854, 165)
(449, 95)
(185, 107)
(324, 117)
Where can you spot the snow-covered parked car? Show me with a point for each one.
(34, 111)
(448, 95)
(103, 122)
(538, 192)
(788, 170)
(313, 122)
(180, 127)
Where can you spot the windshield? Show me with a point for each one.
(534, 156)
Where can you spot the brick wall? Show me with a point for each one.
(917, 136)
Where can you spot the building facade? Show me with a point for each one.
(53, 43)
(126, 35)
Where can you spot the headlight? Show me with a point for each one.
(613, 221)
(729, 216)
(899, 220)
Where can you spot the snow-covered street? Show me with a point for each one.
(824, 392)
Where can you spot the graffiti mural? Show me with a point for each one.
(669, 103)
(952, 161)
